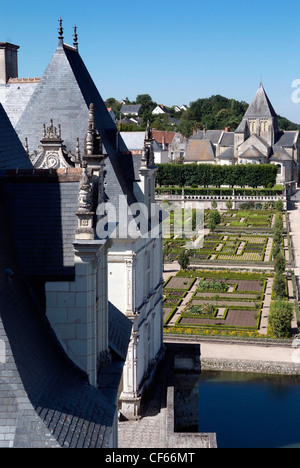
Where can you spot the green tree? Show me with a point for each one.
(184, 259)
(229, 205)
(145, 100)
(280, 318)
(213, 220)
(280, 264)
(279, 205)
(279, 286)
(214, 204)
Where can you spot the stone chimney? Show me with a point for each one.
(8, 61)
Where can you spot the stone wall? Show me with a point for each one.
(184, 440)
(256, 367)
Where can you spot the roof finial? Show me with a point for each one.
(60, 32)
(75, 36)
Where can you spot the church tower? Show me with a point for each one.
(260, 120)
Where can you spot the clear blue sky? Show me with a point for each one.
(175, 50)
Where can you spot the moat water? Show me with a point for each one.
(250, 410)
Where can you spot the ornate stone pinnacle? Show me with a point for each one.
(60, 29)
(85, 191)
(89, 139)
(75, 37)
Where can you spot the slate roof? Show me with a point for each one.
(131, 109)
(17, 93)
(12, 152)
(212, 135)
(135, 141)
(227, 139)
(46, 401)
(200, 150)
(228, 154)
(252, 152)
(41, 209)
(243, 127)
(260, 106)
(64, 94)
(287, 139)
(280, 154)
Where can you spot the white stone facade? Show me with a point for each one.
(135, 288)
(77, 310)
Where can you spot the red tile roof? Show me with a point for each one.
(159, 135)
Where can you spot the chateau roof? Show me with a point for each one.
(41, 207)
(64, 94)
(47, 400)
(12, 152)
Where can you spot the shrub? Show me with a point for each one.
(280, 318)
(279, 286)
(213, 285)
(184, 260)
(279, 205)
(280, 264)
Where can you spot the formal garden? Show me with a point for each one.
(217, 292)
(228, 249)
(214, 303)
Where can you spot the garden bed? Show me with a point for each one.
(220, 300)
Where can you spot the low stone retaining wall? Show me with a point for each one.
(256, 367)
(184, 440)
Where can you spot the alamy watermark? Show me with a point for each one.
(137, 220)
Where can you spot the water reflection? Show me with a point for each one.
(250, 410)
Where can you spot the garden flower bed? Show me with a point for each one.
(220, 300)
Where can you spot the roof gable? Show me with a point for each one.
(252, 152)
(256, 142)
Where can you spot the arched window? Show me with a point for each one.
(279, 169)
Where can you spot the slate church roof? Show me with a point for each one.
(260, 107)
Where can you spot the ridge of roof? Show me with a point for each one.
(252, 152)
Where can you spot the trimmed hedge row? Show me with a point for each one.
(205, 175)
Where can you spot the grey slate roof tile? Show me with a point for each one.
(12, 153)
(43, 227)
(46, 401)
(64, 94)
